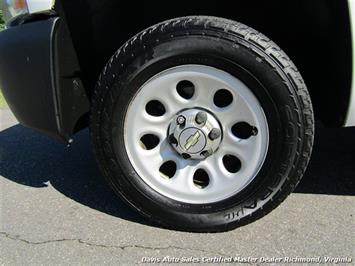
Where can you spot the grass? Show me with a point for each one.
(3, 103)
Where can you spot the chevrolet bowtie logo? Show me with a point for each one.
(192, 140)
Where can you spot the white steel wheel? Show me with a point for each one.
(196, 134)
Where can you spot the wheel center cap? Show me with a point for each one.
(192, 140)
(195, 134)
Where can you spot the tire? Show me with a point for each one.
(226, 48)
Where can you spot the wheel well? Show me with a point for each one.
(315, 34)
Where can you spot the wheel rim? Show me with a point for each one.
(152, 122)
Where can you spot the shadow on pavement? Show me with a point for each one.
(332, 167)
(34, 160)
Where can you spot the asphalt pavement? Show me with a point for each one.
(55, 209)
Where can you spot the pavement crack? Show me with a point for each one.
(17, 238)
(121, 247)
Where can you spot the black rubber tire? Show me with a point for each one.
(244, 53)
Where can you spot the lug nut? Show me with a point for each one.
(173, 140)
(207, 153)
(186, 156)
(214, 134)
(201, 118)
(181, 120)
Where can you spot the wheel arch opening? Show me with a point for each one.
(315, 34)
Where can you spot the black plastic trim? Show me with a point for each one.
(40, 77)
(27, 18)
